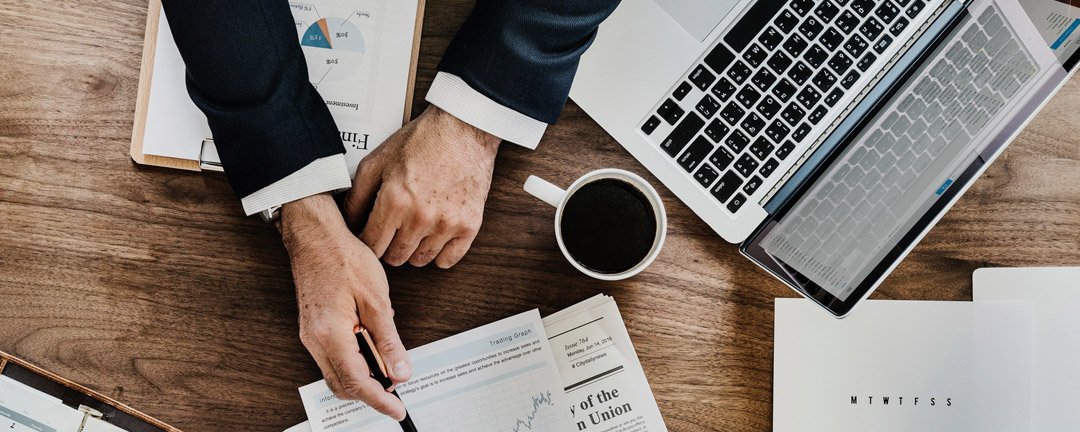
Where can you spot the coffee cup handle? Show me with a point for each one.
(544, 190)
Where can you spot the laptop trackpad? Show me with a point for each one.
(697, 17)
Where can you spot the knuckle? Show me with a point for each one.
(350, 388)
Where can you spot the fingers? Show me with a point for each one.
(338, 356)
(360, 199)
(352, 379)
(429, 248)
(381, 226)
(454, 250)
(380, 325)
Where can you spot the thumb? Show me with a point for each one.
(360, 198)
(380, 324)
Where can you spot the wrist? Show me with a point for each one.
(312, 217)
(457, 127)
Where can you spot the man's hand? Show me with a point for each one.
(425, 189)
(340, 284)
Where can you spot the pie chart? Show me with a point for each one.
(334, 34)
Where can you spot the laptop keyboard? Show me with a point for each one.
(773, 77)
(865, 199)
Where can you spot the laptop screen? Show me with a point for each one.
(837, 239)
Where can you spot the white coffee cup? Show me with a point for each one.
(558, 197)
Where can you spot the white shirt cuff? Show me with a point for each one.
(326, 174)
(453, 95)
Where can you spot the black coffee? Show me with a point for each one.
(608, 226)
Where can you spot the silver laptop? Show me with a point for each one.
(825, 136)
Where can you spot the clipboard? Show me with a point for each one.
(208, 159)
(90, 403)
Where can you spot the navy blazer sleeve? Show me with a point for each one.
(523, 54)
(247, 73)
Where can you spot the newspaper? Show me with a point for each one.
(504, 377)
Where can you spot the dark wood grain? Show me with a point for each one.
(149, 286)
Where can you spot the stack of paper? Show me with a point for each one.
(24, 409)
(575, 370)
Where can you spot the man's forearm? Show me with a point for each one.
(247, 73)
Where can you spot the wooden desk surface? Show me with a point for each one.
(150, 286)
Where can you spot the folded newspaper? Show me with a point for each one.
(575, 370)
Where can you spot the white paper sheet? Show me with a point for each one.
(358, 54)
(23, 409)
(302, 427)
(1054, 294)
(944, 366)
(497, 378)
(1058, 22)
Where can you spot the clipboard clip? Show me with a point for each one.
(208, 157)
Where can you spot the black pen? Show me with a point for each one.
(378, 371)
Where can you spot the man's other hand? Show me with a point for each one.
(340, 284)
(422, 191)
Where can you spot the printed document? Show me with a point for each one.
(1058, 22)
(1054, 294)
(23, 409)
(497, 378)
(900, 366)
(574, 371)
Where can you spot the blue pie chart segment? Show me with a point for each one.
(334, 33)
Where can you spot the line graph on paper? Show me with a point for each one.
(521, 402)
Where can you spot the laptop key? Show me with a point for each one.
(682, 90)
(850, 79)
(650, 125)
(779, 62)
(795, 45)
(737, 141)
(887, 11)
(706, 175)
(811, 28)
(808, 97)
(726, 186)
(762, 148)
(723, 89)
(831, 39)
(757, 17)
(827, 11)
(746, 165)
(739, 72)
(732, 113)
(769, 167)
(784, 150)
(721, 158)
(916, 7)
(748, 96)
(755, 55)
(719, 58)
(899, 26)
(816, 55)
(802, 7)
(867, 61)
(736, 203)
(856, 45)
(670, 111)
(882, 44)
(862, 7)
(847, 22)
(835, 95)
(871, 29)
(786, 22)
(708, 106)
(771, 38)
(682, 134)
(793, 114)
(753, 124)
(752, 185)
(702, 78)
(824, 80)
(769, 106)
(817, 115)
(800, 132)
(777, 131)
(716, 131)
(763, 79)
(694, 154)
(784, 90)
(840, 62)
(800, 73)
